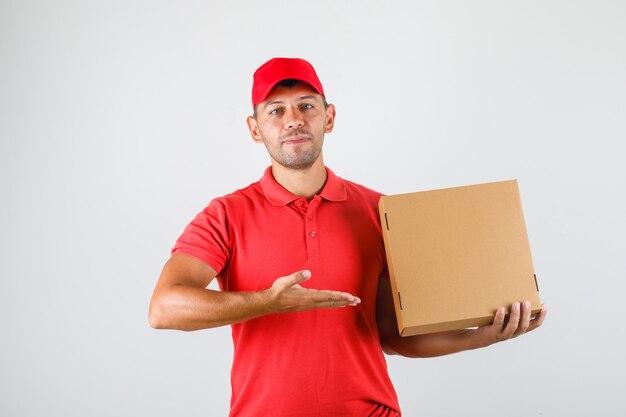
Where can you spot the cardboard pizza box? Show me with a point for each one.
(456, 255)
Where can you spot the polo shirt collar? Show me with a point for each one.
(334, 189)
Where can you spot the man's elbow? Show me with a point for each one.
(157, 317)
(401, 347)
(387, 346)
(388, 350)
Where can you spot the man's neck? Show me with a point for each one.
(301, 182)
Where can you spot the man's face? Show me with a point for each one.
(291, 123)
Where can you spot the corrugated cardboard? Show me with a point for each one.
(455, 255)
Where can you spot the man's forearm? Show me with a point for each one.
(444, 343)
(436, 344)
(176, 305)
(190, 308)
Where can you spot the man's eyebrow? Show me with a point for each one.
(272, 102)
(308, 97)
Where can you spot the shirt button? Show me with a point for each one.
(309, 217)
(313, 234)
(301, 203)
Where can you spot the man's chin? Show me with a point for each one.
(303, 163)
(298, 166)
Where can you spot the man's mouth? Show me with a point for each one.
(295, 139)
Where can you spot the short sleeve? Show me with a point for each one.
(206, 237)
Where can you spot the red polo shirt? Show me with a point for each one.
(320, 363)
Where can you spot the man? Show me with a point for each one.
(300, 261)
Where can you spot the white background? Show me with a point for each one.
(120, 120)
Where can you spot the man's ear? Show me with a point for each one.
(254, 129)
(330, 118)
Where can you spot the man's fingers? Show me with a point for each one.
(289, 295)
(309, 299)
(524, 322)
(518, 322)
(498, 320)
(338, 298)
(322, 296)
(513, 323)
(293, 279)
(330, 298)
(538, 320)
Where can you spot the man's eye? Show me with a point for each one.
(276, 111)
(306, 106)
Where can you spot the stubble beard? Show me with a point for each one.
(297, 157)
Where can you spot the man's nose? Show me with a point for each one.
(293, 119)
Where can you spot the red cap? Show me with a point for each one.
(278, 69)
